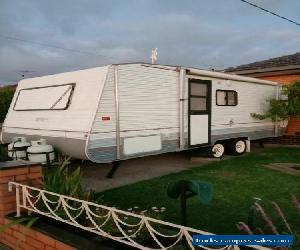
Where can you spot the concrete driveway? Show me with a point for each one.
(135, 170)
(130, 171)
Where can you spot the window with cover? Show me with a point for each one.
(56, 97)
(226, 98)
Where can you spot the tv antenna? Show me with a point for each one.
(24, 72)
(154, 56)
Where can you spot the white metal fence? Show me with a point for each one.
(118, 225)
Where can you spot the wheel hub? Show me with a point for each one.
(240, 146)
(218, 150)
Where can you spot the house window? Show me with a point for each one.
(226, 98)
(56, 97)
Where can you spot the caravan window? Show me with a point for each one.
(226, 98)
(56, 97)
(198, 97)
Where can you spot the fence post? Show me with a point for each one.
(18, 201)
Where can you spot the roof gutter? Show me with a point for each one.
(264, 70)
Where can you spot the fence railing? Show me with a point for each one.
(109, 222)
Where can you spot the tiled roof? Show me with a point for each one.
(287, 60)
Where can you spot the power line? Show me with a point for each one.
(270, 12)
(55, 46)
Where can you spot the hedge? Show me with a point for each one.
(6, 95)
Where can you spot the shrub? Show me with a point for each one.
(6, 95)
(63, 180)
(283, 109)
(3, 153)
(260, 222)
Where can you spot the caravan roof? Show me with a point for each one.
(192, 70)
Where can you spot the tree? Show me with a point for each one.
(6, 95)
(280, 110)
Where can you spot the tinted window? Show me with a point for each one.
(226, 98)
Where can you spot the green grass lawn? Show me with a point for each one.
(236, 181)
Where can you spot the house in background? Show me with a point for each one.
(284, 69)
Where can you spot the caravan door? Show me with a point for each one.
(199, 112)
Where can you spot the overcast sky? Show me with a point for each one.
(200, 33)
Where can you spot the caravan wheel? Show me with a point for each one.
(238, 147)
(218, 150)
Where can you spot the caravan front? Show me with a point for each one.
(118, 112)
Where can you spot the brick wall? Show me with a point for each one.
(293, 126)
(284, 140)
(284, 79)
(18, 236)
(294, 123)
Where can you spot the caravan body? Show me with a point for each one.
(124, 111)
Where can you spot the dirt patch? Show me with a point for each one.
(289, 168)
(297, 167)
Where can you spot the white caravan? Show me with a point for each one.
(117, 112)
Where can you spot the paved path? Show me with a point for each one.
(131, 171)
(135, 170)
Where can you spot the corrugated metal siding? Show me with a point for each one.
(149, 103)
(101, 146)
(236, 121)
(252, 135)
(251, 99)
(106, 107)
(148, 100)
